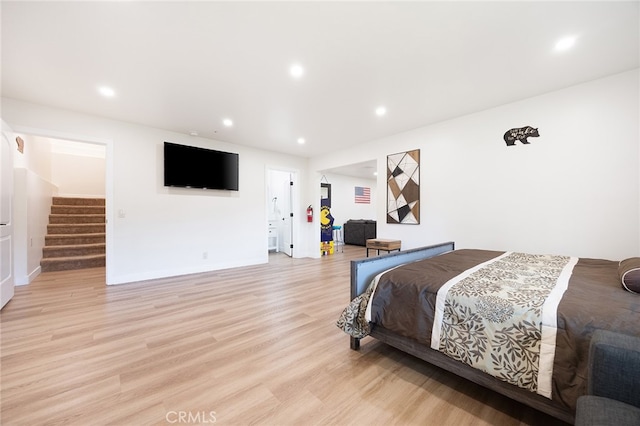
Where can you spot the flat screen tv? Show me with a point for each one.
(193, 167)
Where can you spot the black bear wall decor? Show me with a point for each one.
(520, 134)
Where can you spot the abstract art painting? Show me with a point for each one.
(403, 187)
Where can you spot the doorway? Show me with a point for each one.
(41, 175)
(281, 186)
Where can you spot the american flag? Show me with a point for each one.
(363, 195)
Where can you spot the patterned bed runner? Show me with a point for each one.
(500, 317)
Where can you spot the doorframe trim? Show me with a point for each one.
(109, 179)
(295, 204)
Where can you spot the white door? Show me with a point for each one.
(286, 244)
(6, 219)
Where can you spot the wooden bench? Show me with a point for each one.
(382, 244)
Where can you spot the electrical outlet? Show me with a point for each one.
(205, 255)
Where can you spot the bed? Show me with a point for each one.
(436, 303)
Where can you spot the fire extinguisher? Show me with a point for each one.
(309, 214)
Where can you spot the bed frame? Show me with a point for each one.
(363, 271)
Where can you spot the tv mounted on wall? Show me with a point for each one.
(193, 167)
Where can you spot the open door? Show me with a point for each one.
(281, 193)
(6, 216)
(287, 218)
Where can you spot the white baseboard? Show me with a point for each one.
(144, 276)
(27, 279)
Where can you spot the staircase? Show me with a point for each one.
(75, 235)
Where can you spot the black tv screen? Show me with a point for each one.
(193, 167)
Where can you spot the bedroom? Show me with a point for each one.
(574, 190)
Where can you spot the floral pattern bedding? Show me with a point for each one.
(527, 322)
(491, 317)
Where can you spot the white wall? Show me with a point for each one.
(36, 156)
(154, 231)
(78, 176)
(31, 208)
(574, 190)
(78, 169)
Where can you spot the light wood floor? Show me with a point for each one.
(254, 345)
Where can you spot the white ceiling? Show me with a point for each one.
(184, 66)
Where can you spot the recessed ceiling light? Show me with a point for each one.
(227, 122)
(301, 141)
(107, 91)
(565, 43)
(375, 173)
(296, 70)
(193, 133)
(380, 111)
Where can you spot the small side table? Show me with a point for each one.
(383, 244)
